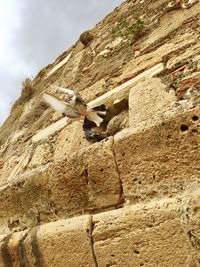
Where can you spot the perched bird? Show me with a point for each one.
(75, 107)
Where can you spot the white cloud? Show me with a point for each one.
(34, 32)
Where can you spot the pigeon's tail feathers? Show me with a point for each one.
(94, 117)
(60, 106)
(101, 110)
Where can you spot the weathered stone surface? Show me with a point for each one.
(192, 53)
(69, 140)
(59, 65)
(53, 128)
(168, 23)
(59, 174)
(141, 235)
(163, 232)
(94, 91)
(24, 202)
(40, 153)
(159, 160)
(143, 62)
(87, 179)
(84, 180)
(122, 91)
(70, 70)
(62, 243)
(148, 101)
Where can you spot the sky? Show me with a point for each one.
(33, 33)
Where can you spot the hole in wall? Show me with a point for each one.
(184, 127)
(195, 118)
(136, 251)
(194, 130)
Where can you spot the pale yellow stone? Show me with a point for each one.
(168, 23)
(122, 91)
(69, 140)
(59, 65)
(53, 128)
(141, 235)
(161, 159)
(62, 243)
(148, 101)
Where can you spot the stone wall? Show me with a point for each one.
(133, 198)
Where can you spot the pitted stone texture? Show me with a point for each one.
(53, 128)
(61, 243)
(70, 70)
(87, 179)
(169, 23)
(143, 62)
(141, 235)
(148, 101)
(25, 202)
(122, 91)
(94, 91)
(69, 140)
(159, 160)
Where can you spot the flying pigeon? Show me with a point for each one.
(75, 107)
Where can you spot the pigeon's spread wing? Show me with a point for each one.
(60, 106)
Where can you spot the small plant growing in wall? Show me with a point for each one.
(27, 89)
(128, 31)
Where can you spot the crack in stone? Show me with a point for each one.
(122, 200)
(186, 213)
(92, 241)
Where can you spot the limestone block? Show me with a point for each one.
(87, 179)
(144, 62)
(38, 156)
(141, 235)
(84, 180)
(108, 98)
(159, 160)
(71, 69)
(24, 202)
(122, 91)
(69, 140)
(61, 243)
(93, 91)
(148, 101)
(53, 128)
(168, 23)
(191, 53)
(59, 65)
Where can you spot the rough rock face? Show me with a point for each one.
(133, 198)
